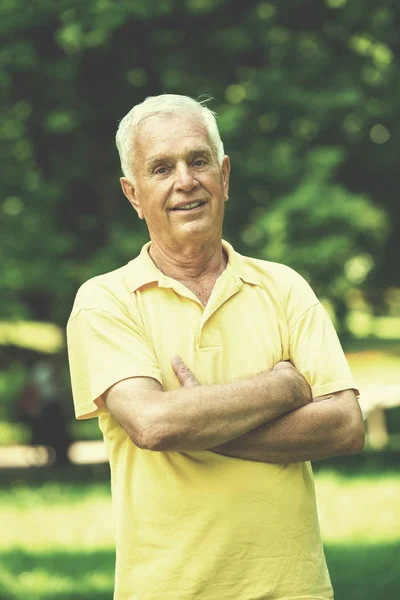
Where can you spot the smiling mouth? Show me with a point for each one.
(189, 206)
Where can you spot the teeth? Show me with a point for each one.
(189, 206)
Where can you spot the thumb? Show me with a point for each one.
(183, 373)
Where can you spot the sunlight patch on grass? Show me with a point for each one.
(358, 510)
(57, 516)
(69, 516)
(88, 527)
(40, 579)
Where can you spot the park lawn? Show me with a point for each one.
(56, 539)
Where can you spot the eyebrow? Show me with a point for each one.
(161, 158)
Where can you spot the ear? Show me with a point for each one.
(226, 169)
(130, 193)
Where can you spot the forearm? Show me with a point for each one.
(201, 417)
(316, 431)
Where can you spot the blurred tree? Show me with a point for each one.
(308, 99)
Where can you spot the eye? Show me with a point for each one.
(199, 162)
(161, 170)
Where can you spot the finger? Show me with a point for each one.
(183, 373)
(283, 364)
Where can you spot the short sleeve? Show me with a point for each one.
(316, 352)
(103, 349)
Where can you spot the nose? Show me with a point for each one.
(184, 180)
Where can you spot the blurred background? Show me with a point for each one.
(308, 101)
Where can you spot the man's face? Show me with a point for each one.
(176, 166)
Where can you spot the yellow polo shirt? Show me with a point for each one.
(199, 525)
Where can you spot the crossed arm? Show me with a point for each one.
(330, 426)
(267, 418)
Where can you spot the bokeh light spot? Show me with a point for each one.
(360, 44)
(235, 93)
(379, 134)
(382, 55)
(358, 267)
(60, 121)
(335, 3)
(11, 129)
(266, 10)
(352, 123)
(12, 206)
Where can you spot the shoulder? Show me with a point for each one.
(289, 287)
(284, 278)
(108, 292)
(274, 270)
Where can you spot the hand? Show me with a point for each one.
(183, 373)
(298, 385)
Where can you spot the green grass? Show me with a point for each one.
(359, 510)
(56, 542)
(56, 539)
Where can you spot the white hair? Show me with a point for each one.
(166, 103)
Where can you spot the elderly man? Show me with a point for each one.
(215, 377)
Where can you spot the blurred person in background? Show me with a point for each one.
(40, 407)
(215, 377)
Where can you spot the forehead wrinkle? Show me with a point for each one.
(167, 156)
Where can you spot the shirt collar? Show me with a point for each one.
(239, 266)
(143, 271)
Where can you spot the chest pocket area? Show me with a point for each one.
(251, 339)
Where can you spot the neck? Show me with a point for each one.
(190, 263)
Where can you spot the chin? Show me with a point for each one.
(195, 229)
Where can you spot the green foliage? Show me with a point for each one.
(321, 229)
(13, 433)
(308, 103)
(12, 383)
